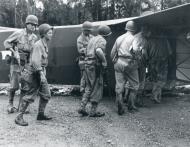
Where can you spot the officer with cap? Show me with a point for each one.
(82, 42)
(34, 77)
(95, 64)
(125, 65)
(20, 43)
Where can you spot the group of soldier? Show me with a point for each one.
(28, 60)
(132, 54)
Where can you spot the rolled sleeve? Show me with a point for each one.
(12, 38)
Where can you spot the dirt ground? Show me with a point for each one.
(158, 125)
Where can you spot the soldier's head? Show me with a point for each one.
(104, 31)
(46, 31)
(31, 23)
(87, 28)
(131, 27)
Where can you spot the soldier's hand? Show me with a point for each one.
(15, 52)
(104, 64)
(42, 77)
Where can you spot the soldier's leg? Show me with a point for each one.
(96, 96)
(155, 92)
(82, 82)
(133, 79)
(19, 119)
(14, 86)
(119, 89)
(162, 71)
(140, 93)
(45, 96)
(30, 87)
(86, 95)
(126, 93)
(22, 94)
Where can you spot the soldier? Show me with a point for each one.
(140, 44)
(158, 51)
(125, 66)
(34, 77)
(82, 42)
(95, 64)
(20, 43)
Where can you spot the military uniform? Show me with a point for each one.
(24, 42)
(125, 69)
(159, 51)
(82, 42)
(31, 81)
(140, 45)
(93, 74)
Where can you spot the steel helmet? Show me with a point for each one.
(104, 30)
(32, 19)
(44, 28)
(131, 26)
(87, 26)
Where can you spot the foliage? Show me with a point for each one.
(56, 12)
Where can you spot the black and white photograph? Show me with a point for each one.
(94, 73)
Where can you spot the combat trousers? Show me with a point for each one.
(158, 75)
(125, 75)
(32, 87)
(82, 72)
(142, 81)
(94, 85)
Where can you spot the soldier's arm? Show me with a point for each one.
(80, 46)
(101, 56)
(36, 58)
(8, 43)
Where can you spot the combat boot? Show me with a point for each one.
(19, 119)
(41, 109)
(41, 116)
(10, 108)
(93, 112)
(82, 109)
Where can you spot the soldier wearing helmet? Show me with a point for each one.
(140, 45)
(82, 42)
(20, 43)
(125, 66)
(34, 77)
(95, 63)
